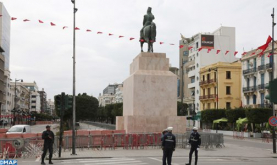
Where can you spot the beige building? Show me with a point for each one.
(22, 97)
(118, 94)
(106, 99)
(220, 81)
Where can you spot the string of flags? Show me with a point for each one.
(260, 50)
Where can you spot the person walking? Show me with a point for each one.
(48, 137)
(195, 142)
(168, 146)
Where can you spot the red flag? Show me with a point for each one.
(88, 30)
(181, 46)
(13, 18)
(110, 34)
(1, 15)
(190, 47)
(99, 33)
(76, 28)
(52, 24)
(121, 36)
(270, 54)
(244, 53)
(200, 49)
(132, 38)
(263, 47)
(65, 27)
(236, 52)
(161, 42)
(172, 44)
(40, 21)
(226, 52)
(253, 53)
(218, 51)
(209, 50)
(26, 20)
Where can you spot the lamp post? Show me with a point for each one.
(14, 109)
(74, 79)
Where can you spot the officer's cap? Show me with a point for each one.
(195, 128)
(169, 128)
(48, 126)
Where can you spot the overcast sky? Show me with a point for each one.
(43, 53)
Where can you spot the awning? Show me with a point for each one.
(220, 120)
(242, 121)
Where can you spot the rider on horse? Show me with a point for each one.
(147, 20)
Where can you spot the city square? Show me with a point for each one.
(138, 82)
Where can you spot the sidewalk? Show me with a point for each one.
(227, 151)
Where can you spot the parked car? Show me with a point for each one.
(17, 129)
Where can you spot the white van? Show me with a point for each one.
(17, 129)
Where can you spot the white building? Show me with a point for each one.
(256, 72)
(119, 94)
(221, 39)
(8, 99)
(105, 99)
(22, 97)
(51, 107)
(35, 96)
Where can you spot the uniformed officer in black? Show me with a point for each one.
(48, 137)
(168, 146)
(195, 142)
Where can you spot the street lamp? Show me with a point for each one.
(74, 79)
(14, 109)
(216, 70)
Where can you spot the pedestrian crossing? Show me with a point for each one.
(105, 161)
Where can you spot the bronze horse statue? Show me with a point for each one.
(148, 32)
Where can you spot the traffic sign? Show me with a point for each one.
(273, 121)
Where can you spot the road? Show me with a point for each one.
(41, 128)
(157, 161)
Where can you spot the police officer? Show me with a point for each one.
(168, 146)
(195, 142)
(48, 137)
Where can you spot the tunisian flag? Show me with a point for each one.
(263, 47)
(52, 24)
(40, 21)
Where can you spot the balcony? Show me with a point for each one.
(261, 67)
(207, 82)
(191, 85)
(205, 97)
(262, 86)
(249, 89)
(269, 66)
(249, 71)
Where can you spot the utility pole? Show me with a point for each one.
(272, 78)
(61, 99)
(74, 80)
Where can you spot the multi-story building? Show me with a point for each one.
(22, 101)
(110, 89)
(8, 98)
(256, 73)
(2, 80)
(5, 33)
(35, 96)
(220, 86)
(43, 101)
(105, 99)
(51, 108)
(176, 72)
(119, 94)
(222, 39)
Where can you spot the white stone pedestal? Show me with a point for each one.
(150, 97)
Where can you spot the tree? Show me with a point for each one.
(234, 114)
(209, 115)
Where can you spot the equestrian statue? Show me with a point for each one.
(148, 32)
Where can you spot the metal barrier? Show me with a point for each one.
(33, 147)
(238, 135)
(29, 148)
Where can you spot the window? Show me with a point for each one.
(228, 105)
(33, 96)
(247, 100)
(228, 74)
(255, 62)
(33, 106)
(33, 101)
(192, 80)
(209, 105)
(208, 77)
(203, 78)
(196, 44)
(197, 54)
(203, 105)
(228, 90)
(214, 104)
(262, 59)
(262, 79)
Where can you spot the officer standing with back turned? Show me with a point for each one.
(48, 137)
(195, 142)
(168, 146)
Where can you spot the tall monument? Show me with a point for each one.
(150, 95)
